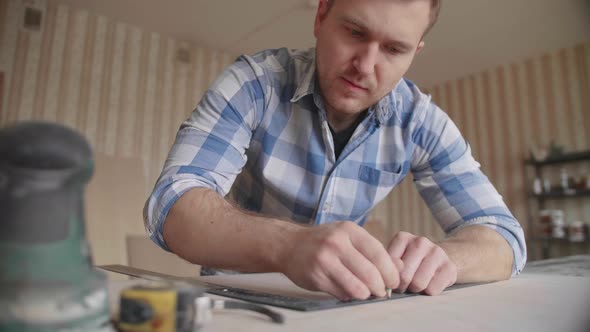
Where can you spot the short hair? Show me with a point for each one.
(434, 11)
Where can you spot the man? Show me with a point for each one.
(309, 142)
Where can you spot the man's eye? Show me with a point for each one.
(356, 33)
(393, 50)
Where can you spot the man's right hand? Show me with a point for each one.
(342, 259)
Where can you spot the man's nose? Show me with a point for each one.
(366, 58)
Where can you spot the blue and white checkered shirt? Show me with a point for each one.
(260, 134)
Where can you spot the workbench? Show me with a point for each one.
(533, 301)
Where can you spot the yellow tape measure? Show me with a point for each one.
(158, 308)
(174, 307)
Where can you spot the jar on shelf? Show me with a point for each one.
(552, 224)
(537, 186)
(558, 230)
(545, 216)
(545, 223)
(577, 232)
(579, 183)
(546, 186)
(564, 180)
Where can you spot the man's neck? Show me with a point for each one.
(339, 122)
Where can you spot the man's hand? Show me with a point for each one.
(342, 259)
(426, 266)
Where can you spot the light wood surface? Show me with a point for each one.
(529, 302)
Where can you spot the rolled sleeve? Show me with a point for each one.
(510, 230)
(453, 186)
(209, 149)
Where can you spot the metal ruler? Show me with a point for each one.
(288, 302)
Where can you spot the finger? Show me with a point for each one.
(399, 264)
(334, 289)
(399, 267)
(412, 258)
(397, 246)
(427, 271)
(445, 276)
(375, 253)
(315, 279)
(344, 279)
(365, 271)
(323, 282)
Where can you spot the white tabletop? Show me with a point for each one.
(529, 302)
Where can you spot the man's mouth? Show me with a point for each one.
(356, 86)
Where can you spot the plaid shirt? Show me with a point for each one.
(260, 134)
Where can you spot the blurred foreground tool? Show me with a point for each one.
(47, 280)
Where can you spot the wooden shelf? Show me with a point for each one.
(564, 158)
(545, 243)
(560, 194)
(564, 240)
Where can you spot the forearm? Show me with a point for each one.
(480, 254)
(204, 229)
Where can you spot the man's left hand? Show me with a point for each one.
(427, 267)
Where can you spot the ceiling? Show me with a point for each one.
(470, 36)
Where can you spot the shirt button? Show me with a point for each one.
(326, 207)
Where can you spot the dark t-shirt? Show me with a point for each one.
(342, 137)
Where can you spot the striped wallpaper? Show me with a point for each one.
(125, 89)
(122, 87)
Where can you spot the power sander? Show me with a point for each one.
(47, 279)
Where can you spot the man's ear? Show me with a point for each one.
(320, 16)
(420, 46)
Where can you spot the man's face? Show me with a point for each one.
(363, 49)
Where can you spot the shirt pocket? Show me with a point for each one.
(378, 177)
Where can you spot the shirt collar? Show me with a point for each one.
(384, 108)
(306, 85)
